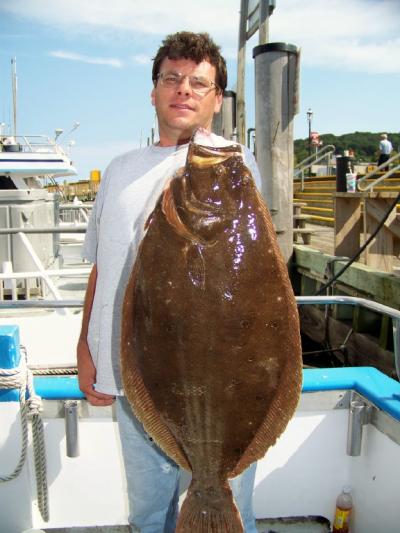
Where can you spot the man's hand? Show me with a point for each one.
(87, 377)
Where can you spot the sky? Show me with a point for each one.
(89, 61)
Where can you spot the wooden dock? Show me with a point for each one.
(323, 240)
(349, 336)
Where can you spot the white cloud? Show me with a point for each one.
(354, 35)
(156, 17)
(357, 35)
(141, 59)
(116, 63)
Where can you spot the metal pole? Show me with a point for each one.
(240, 92)
(309, 118)
(71, 428)
(14, 93)
(81, 228)
(276, 67)
(263, 32)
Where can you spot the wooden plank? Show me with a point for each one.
(362, 280)
(378, 210)
(348, 224)
(361, 349)
(305, 234)
(299, 221)
(380, 251)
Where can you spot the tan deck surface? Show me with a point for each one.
(323, 240)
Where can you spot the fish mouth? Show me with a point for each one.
(206, 156)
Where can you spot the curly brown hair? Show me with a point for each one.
(195, 46)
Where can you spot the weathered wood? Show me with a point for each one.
(305, 234)
(377, 210)
(348, 224)
(299, 221)
(353, 228)
(357, 280)
(240, 89)
(362, 350)
(297, 207)
(381, 250)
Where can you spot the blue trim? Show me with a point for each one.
(20, 160)
(9, 347)
(9, 395)
(58, 388)
(375, 386)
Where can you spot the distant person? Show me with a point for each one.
(385, 148)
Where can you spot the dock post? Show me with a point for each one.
(276, 94)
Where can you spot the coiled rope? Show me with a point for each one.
(30, 408)
(62, 371)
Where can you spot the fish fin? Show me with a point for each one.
(203, 512)
(279, 414)
(135, 390)
(288, 394)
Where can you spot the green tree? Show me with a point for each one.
(364, 144)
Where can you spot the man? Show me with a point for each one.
(385, 148)
(189, 76)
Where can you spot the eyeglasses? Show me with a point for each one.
(199, 84)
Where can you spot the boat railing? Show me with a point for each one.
(75, 213)
(369, 187)
(392, 313)
(325, 153)
(43, 275)
(31, 144)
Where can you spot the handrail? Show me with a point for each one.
(349, 300)
(394, 314)
(39, 304)
(31, 143)
(42, 273)
(76, 228)
(387, 174)
(312, 156)
(308, 162)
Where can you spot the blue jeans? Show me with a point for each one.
(153, 480)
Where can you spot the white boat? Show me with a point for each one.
(346, 431)
(26, 158)
(39, 233)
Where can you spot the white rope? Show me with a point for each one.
(21, 378)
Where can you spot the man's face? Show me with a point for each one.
(179, 109)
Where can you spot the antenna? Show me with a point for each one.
(14, 93)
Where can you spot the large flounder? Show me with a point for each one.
(211, 356)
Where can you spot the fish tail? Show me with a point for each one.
(209, 510)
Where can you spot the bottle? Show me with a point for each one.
(344, 506)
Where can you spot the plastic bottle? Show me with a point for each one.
(344, 506)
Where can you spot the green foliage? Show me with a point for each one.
(364, 144)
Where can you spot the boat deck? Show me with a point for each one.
(322, 239)
(307, 524)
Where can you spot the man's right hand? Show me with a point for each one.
(87, 377)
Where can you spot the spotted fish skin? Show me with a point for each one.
(210, 346)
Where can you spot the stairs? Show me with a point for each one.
(318, 196)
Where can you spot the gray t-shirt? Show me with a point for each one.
(130, 187)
